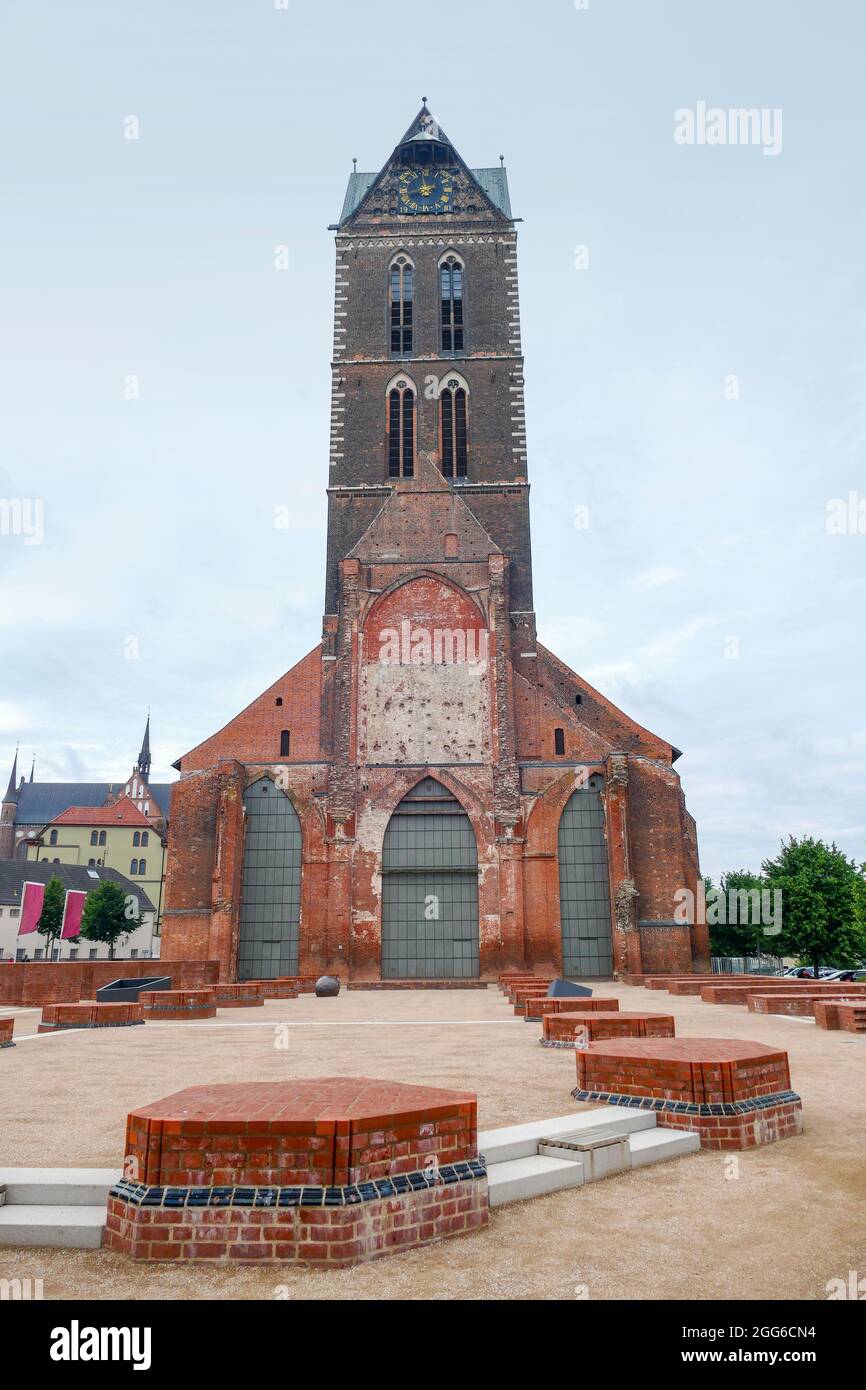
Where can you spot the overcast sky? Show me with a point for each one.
(698, 385)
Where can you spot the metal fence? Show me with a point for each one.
(746, 965)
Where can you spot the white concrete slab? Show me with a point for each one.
(657, 1145)
(522, 1178)
(81, 1187)
(521, 1141)
(67, 1228)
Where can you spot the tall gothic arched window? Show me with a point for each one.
(400, 429)
(401, 296)
(451, 277)
(454, 428)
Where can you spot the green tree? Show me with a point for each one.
(819, 903)
(108, 915)
(740, 932)
(50, 921)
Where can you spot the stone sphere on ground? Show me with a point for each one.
(327, 987)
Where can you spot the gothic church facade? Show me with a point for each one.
(430, 793)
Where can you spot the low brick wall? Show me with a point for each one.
(535, 1010)
(88, 1014)
(327, 1172)
(826, 1013)
(417, 984)
(695, 984)
(799, 1005)
(6, 1026)
(850, 1015)
(276, 989)
(739, 993)
(228, 996)
(630, 977)
(304, 984)
(580, 1028)
(34, 983)
(660, 981)
(163, 1005)
(734, 1094)
(729, 994)
(517, 993)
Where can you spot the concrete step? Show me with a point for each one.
(57, 1187)
(657, 1145)
(521, 1178)
(521, 1141)
(65, 1228)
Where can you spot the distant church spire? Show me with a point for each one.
(32, 769)
(12, 789)
(143, 764)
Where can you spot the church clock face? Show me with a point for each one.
(424, 190)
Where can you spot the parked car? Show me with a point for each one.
(805, 972)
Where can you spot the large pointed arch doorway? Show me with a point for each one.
(584, 893)
(271, 889)
(429, 888)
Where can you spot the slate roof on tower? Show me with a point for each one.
(144, 756)
(492, 183)
(12, 789)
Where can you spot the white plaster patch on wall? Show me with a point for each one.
(424, 714)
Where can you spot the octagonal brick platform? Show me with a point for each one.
(87, 1013)
(326, 1172)
(735, 1094)
(580, 1027)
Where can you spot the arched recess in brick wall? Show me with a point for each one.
(271, 885)
(584, 884)
(429, 888)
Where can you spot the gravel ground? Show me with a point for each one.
(779, 1223)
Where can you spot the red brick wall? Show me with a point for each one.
(34, 983)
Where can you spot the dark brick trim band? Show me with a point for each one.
(682, 1107)
(141, 1195)
(7, 1044)
(560, 1042)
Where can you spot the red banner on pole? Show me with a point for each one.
(31, 907)
(72, 910)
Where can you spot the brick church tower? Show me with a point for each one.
(430, 793)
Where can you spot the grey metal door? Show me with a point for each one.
(584, 893)
(271, 891)
(429, 888)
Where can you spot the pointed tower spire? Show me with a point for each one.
(12, 789)
(32, 769)
(143, 764)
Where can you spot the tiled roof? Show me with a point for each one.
(15, 872)
(123, 812)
